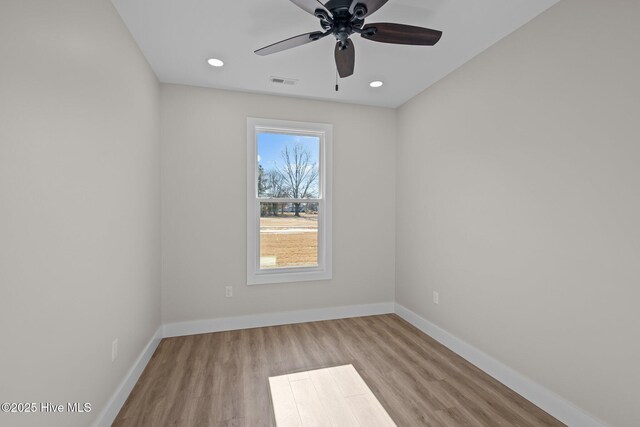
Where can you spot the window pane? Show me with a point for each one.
(288, 235)
(288, 166)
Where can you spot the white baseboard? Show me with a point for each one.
(113, 406)
(273, 319)
(545, 399)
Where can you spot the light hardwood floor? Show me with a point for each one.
(222, 379)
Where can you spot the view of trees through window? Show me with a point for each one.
(288, 168)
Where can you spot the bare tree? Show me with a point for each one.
(274, 187)
(262, 185)
(299, 173)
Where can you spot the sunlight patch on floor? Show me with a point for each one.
(335, 396)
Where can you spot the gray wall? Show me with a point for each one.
(204, 204)
(79, 205)
(518, 201)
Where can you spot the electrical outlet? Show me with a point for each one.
(436, 298)
(114, 350)
(228, 291)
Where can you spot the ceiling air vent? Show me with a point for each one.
(283, 81)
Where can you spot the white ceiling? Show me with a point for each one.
(178, 36)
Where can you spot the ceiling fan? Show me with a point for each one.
(342, 18)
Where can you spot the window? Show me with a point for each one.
(288, 201)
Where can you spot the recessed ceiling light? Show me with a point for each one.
(215, 62)
(376, 83)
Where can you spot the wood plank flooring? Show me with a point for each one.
(221, 379)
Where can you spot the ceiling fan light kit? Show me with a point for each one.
(342, 18)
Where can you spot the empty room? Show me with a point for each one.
(319, 213)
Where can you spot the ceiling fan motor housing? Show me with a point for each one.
(332, 5)
(343, 21)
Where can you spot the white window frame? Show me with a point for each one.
(256, 275)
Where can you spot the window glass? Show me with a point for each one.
(288, 166)
(288, 235)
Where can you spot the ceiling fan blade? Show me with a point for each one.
(290, 43)
(401, 34)
(372, 5)
(310, 6)
(345, 59)
(353, 6)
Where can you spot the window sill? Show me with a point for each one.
(273, 277)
